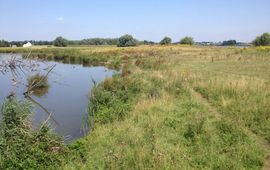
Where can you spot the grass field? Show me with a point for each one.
(174, 107)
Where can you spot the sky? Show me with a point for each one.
(204, 20)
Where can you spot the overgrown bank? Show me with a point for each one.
(23, 148)
(149, 117)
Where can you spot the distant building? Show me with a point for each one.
(13, 46)
(27, 44)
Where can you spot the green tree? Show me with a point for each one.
(262, 40)
(60, 42)
(166, 41)
(229, 43)
(4, 43)
(187, 40)
(127, 41)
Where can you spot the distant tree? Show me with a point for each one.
(145, 42)
(262, 40)
(41, 42)
(60, 42)
(127, 41)
(187, 40)
(166, 41)
(96, 41)
(229, 43)
(4, 43)
(112, 41)
(17, 43)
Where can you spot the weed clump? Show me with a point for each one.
(38, 81)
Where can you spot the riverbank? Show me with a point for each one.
(175, 107)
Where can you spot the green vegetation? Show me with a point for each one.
(166, 41)
(173, 107)
(4, 43)
(187, 41)
(145, 42)
(60, 42)
(23, 148)
(113, 99)
(229, 43)
(262, 40)
(127, 41)
(95, 41)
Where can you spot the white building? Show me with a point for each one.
(27, 44)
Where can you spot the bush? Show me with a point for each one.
(23, 148)
(187, 40)
(262, 40)
(166, 41)
(127, 41)
(60, 42)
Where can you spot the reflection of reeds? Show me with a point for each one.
(86, 125)
(39, 92)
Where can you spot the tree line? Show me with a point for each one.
(127, 41)
(64, 42)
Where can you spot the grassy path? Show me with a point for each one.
(267, 163)
(264, 143)
(212, 110)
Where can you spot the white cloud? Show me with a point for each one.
(59, 18)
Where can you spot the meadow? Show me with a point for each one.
(172, 107)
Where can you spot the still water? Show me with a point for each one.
(67, 96)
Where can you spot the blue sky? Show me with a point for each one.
(205, 20)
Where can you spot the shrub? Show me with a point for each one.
(187, 40)
(166, 41)
(127, 41)
(262, 40)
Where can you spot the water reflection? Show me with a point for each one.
(83, 61)
(39, 92)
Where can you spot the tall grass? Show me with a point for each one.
(246, 102)
(114, 98)
(169, 130)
